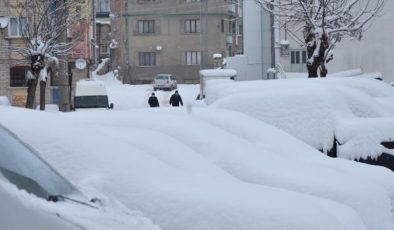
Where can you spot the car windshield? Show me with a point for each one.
(21, 166)
(91, 101)
(161, 77)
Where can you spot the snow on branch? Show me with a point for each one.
(43, 23)
(324, 22)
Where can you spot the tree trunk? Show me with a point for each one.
(323, 70)
(312, 70)
(43, 85)
(31, 93)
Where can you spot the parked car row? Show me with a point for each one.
(350, 118)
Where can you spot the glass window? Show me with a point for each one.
(18, 76)
(304, 57)
(161, 77)
(146, 1)
(91, 102)
(147, 58)
(295, 57)
(17, 27)
(22, 167)
(146, 26)
(193, 57)
(103, 6)
(192, 26)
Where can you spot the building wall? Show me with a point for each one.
(169, 34)
(257, 44)
(8, 59)
(374, 52)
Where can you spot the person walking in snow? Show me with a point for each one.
(176, 99)
(153, 102)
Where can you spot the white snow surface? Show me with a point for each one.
(205, 168)
(4, 101)
(317, 110)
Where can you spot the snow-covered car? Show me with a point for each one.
(165, 82)
(352, 118)
(34, 196)
(91, 94)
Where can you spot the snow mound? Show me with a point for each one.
(4, 101)
(316, 110)
(208, 169)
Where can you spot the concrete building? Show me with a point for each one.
(258, 44)
(178, 37)
(374, 52)
(13, 67)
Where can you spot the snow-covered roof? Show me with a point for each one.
(218, 73)
(90, 88)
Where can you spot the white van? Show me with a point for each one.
(208, 74)
(91, 94)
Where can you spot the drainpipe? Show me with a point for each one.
(127, 48)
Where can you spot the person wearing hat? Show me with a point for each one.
(153, 102)
(176, 99)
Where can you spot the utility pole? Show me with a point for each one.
(64, 83)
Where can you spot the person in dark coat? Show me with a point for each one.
(176, 99)
(153, 102)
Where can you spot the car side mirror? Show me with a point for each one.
(111, 106)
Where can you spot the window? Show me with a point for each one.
(146, 26)
(103, 6)
(193, 57)
(232, 27)
(18, 76)
(104, 49)
(192, 26)
(147, 58)
(16, 27)
(146, 1)
(298, 57)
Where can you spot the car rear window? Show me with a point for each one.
(161, 77)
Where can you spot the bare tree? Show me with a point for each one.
(47, 22)
(325, 22)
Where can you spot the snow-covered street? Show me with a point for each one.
(200, 167)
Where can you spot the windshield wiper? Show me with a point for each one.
(56, 198)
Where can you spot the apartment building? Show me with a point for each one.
(178, 37)
(14, 67)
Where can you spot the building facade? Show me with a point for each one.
(177, 37)
(258, 44)
(14, 67)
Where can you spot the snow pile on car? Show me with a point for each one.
(208, 169)
(317, 110)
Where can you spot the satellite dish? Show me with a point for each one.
(80, 63)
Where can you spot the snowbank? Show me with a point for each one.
(4, 101)
(208, 169)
